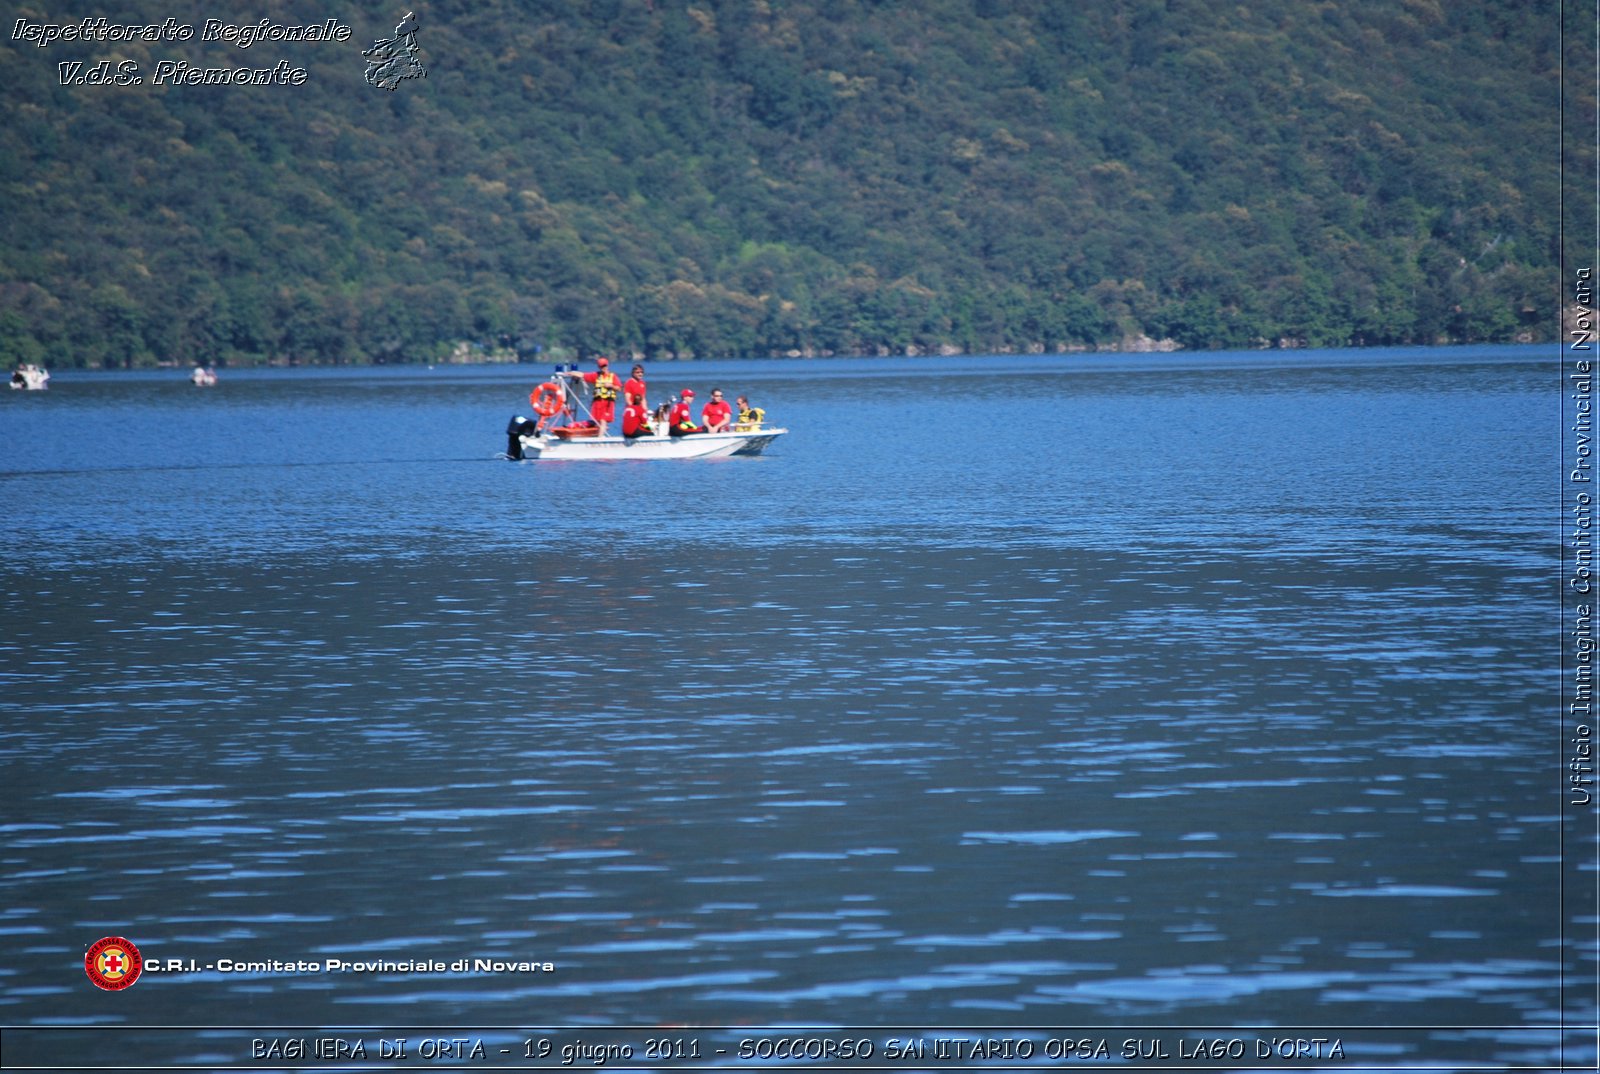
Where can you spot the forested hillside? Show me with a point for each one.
(748, 177)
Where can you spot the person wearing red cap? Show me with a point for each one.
(716, 414)
(679, 422)
(607, 386)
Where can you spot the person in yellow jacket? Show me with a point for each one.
(607, 387)
(750, 417)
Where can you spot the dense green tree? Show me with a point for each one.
(720, 177)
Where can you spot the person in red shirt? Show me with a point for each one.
(633, 390)
(636, 419)
(679, 421)
(607, 386)
(716, 414)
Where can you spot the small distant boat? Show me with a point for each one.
(30, 378)
(522, 442)
(203, 377)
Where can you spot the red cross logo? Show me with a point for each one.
(113, 963)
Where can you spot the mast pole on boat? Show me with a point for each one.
(578, 390)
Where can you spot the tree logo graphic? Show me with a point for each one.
(392, 60)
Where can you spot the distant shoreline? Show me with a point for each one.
(1178, 355)
(1152, 347)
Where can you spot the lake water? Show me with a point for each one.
(1154, 697)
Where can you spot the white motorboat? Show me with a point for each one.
(529, 445)
(203, 377)
(542, 439)
(31, 378)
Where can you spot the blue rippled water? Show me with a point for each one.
(1107, 691)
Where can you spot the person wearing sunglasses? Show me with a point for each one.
(716, 414)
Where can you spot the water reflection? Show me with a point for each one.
(1195, 713)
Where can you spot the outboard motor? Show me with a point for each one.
(516, 429)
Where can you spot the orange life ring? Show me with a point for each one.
(546, 399)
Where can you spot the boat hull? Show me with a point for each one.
(694, 446)
(30, 378)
